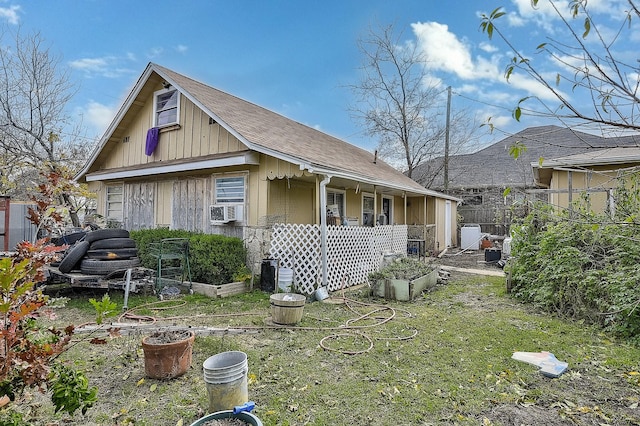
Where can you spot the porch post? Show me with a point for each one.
(375, 205)
(404, 198)
(424, 219)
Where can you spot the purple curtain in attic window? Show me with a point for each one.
(152, 140)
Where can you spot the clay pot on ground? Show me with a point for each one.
(167, 354)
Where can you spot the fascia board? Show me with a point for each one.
(247, 158)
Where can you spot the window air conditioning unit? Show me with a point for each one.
(224, 213)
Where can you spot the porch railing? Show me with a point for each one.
(352, 252)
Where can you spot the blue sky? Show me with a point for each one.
(294, 57)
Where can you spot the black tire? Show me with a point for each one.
(103, 234)
(113, 243)
(75, 254)
(104, 267)
(113, 254)
(69, 238)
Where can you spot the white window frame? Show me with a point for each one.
(157, 111)
(342, 207)
(367, 211)
(390, 215)
(110, 202)
(229, 200)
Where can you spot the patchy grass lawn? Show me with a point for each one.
(442, 359)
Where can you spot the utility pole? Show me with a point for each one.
(446, 142)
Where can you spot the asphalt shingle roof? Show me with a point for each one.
(277, 134)
(493, 166)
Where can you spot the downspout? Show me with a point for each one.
(323, 227)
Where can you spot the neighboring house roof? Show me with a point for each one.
(493, 166)
(265, 131)
(602, 157)
(617, 155)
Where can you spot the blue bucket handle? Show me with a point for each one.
(247, 406)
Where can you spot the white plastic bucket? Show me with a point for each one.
(285, 279)
(225, 375)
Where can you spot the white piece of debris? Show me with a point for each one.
(548, 363)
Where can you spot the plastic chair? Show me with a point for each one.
(172, 256)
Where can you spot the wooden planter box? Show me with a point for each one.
(224, 290)
(404, 290)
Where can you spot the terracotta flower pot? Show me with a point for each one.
(167, 354)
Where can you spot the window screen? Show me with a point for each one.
(230, 190)
(114, 202)
(167, 108)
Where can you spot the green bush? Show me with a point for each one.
(580, 264)
(214, 259)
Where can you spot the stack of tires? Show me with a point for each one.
(101, 252)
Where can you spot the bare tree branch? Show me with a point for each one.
(593, 69)
(34, 92)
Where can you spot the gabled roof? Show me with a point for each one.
(493, 166)
(267, 132)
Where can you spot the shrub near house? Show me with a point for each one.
(214, 259)
(582, 265)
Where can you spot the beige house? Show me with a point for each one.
(596, 173)
(184, 155)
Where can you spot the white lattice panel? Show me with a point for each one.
(298, 248)
(352, 252)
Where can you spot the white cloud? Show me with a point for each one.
(94, 65)
(497, 120)
(181, 48)
(445, 52)
(154, 52)
(533, 87)
(515, 20)
(107, 66)
(488, 47)
(546, 16)
(11, 14)
(97, 116)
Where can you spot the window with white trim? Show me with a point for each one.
(166, 107)
(229, 190)
(114, 203)
(368, 210)
(336, 198)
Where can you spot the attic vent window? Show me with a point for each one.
(166, 107)
(125, 139)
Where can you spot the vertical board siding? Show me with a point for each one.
(139, 208)
(189, 204)
(194, 138)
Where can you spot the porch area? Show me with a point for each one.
(352, 252)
